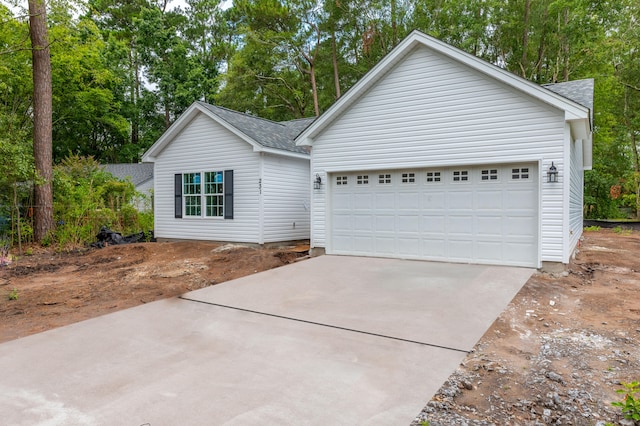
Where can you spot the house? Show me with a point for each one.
(436, 154)
(140, 175)
(222, 175)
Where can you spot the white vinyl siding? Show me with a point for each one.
(429, 111)
(285, 198)
(203, 146)
(576, 191)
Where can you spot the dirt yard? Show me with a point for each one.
(56, 289)
(559, 351)
(556, 355)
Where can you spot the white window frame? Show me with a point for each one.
(203, 205)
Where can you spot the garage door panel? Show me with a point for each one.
(384, 245)
(362, 244)
(409, 223)
(434, 248)
(489, 225)
(483, 221)
(489, 250)
(433, 201)
(433, 224)
(521, 199)
(517, 252)
(385, 223)
(519, 225)
(341, 201)
(342, 223)
(363, 222)
(460, 250)
(489, 200)
(409, 201)
(460, 200)
(385, 201)
(363, 202)
(460, 224)
(409, 247)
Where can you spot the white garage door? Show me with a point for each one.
(486, 214)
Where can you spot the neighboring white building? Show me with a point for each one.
(141, 176)
(221, 175)
(438, 155)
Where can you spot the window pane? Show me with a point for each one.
(192, 205)
(214, 191)
(191, 183)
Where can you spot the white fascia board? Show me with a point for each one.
(282, 152)
(573, 109)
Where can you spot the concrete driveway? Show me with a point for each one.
(330, 340)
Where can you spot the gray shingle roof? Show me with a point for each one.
(138, 173)
(580, 91)
(267, 133)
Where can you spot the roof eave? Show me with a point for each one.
(284, 153)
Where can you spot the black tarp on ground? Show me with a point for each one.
(107, 237)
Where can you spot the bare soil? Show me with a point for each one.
(556, 355)
(560, 350)
(56, 289)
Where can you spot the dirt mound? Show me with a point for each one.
(55, 289)
(559, 351)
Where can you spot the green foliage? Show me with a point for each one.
(630, 405)
(622, 231)
(124, 71)
(13, 294)
(86, 198)
(591, 228)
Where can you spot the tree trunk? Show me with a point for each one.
(565, 48)
(334, 58)
(525, 38)
(18, 221)
(42, 119)
(314, 88)
(394, 23)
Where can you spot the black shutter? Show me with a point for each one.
(228, 194)
(178, 194)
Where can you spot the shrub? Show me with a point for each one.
(630, 405)
(86, 198)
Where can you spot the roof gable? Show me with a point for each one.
(576, 114)
(263, 135)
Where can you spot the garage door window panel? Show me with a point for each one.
(341, 180)
(489, 175)
(520, 173)
(460, 176)
(384, 179)
(408, 178)
(434, 177)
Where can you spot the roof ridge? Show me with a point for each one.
(255, 117)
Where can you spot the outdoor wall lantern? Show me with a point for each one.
(317, 182)
(552, 174)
